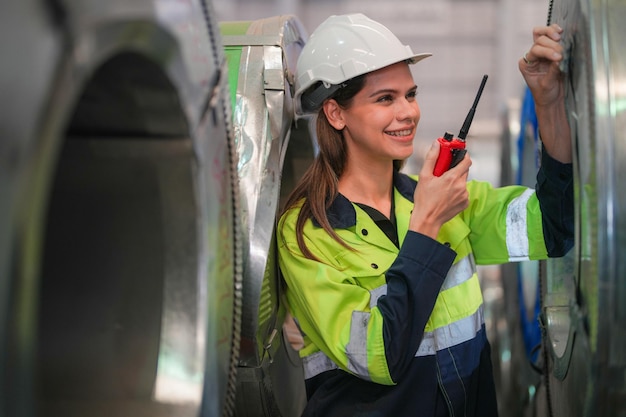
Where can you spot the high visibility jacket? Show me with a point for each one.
(408, 320)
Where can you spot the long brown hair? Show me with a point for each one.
(318, 186)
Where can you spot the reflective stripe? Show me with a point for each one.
(462, 294)
(451, 335)
(317, 363)
(356, 350)
(516, 228)
(376, 293)
(460, 272)
(441, 338)
(455, 304)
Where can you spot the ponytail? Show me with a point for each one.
(319, 184)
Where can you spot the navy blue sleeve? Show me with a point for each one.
(413, 284)
(555, 191)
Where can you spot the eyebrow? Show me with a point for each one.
(389, 90)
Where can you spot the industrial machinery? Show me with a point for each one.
(143, 162)
(582, 297)
(120, 250)
(144, 155)
(273, 151)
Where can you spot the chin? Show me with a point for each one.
(405, 154)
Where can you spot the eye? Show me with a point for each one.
(412, 94)
(384, 98)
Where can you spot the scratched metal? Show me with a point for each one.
(116, 210)
(270, 379)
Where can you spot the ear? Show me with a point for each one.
(334, 114)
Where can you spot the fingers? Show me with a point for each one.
(553, 31)
(430, 160)
(545, 49)
(465, 164)
(546, 45)
(462, 168)
(438, 199)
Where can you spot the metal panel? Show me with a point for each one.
(118, 244)
(270, 378)
(583, 293)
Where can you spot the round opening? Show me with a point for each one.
(120, 253)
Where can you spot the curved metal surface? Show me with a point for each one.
(262, 118)
(117, 261)
(585, 291)
(262, 56)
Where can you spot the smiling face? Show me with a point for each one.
(379, 124)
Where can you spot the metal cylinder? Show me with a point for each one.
(273, 152)
(118, 261)
(583, 294)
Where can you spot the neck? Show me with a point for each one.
(370, 185)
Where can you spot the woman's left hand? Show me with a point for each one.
(540, 67)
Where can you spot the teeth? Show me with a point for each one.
(400, 133)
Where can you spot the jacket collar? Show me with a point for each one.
(341, 213)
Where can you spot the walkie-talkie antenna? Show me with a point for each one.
(470, 116)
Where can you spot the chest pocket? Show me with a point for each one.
(366, 265)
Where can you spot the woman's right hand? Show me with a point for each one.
(439, 199)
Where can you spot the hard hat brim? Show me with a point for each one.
(418, 57)
(312, 101)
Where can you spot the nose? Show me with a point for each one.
(408, 109)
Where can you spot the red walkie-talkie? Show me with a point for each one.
(452, 149)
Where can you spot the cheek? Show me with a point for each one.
(371, 121)
(418, 112)
(381, 117)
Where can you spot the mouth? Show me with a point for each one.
(400, 133)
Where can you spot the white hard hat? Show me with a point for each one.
(341, 48)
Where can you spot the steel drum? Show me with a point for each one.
(273, 152)
(583, 295)
(120, 254)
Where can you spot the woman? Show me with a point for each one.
(380, 268)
